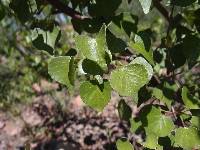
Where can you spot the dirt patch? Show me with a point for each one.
(43, 125)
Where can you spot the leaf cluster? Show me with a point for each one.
(146, 50)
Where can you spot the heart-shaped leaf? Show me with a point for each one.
(187, 138)
(95, 95)
(45, 40)
(60, 69)
(127, 80)
(94, 49)
(142, 46)
(158, 124)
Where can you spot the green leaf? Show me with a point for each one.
(41, 45)
(144, 94)
(124, 110)
(195, 121)
(117, 30)
(33, 5)
(157, 93)
(80, 70)
(191, 49)
(115, 45)
(39, 3)
(91, 67)
(172, 139)
(2, 12)
(21, 10)
(165, 142)
(46, 40)
(124, 145)
(94, 49)
(95, 95)
(188, 100)
(158, 124)
(101, 8)
(187, 138)
(151, 141)
(177, 56)
(183, 3)
(148, 67)
(135, 125)
(146, 4)
(123, 25)
(135, 97)
(129, 27)
(127, 80)
(59, 69)
(72, 71)
(71, 52)
(124, 7)
(197, 19)
(185, 117)
(195, 112)
(90, 25)
(99, 79)
(50, 37)
(43, 24)
(169, 90)
(141, 47)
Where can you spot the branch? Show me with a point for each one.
(67, 10)
(21, 50)
(161, 9)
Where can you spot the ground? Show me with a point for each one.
(45, 124)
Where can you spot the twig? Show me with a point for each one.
(157, 79)
(161, 9)
(125, 58)
(170, 20)
(148, 102)
(171, 68)
(67, 10)
(21, 49)
(173, 112)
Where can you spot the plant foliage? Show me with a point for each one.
(147, 50)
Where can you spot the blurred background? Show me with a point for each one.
(38, 113)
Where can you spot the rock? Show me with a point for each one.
(2, 120)
(31, 117)
(76, 103)
(36, 88)
(13, 127)
(2, 124)
(47, 86)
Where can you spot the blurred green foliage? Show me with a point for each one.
(116, 38)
